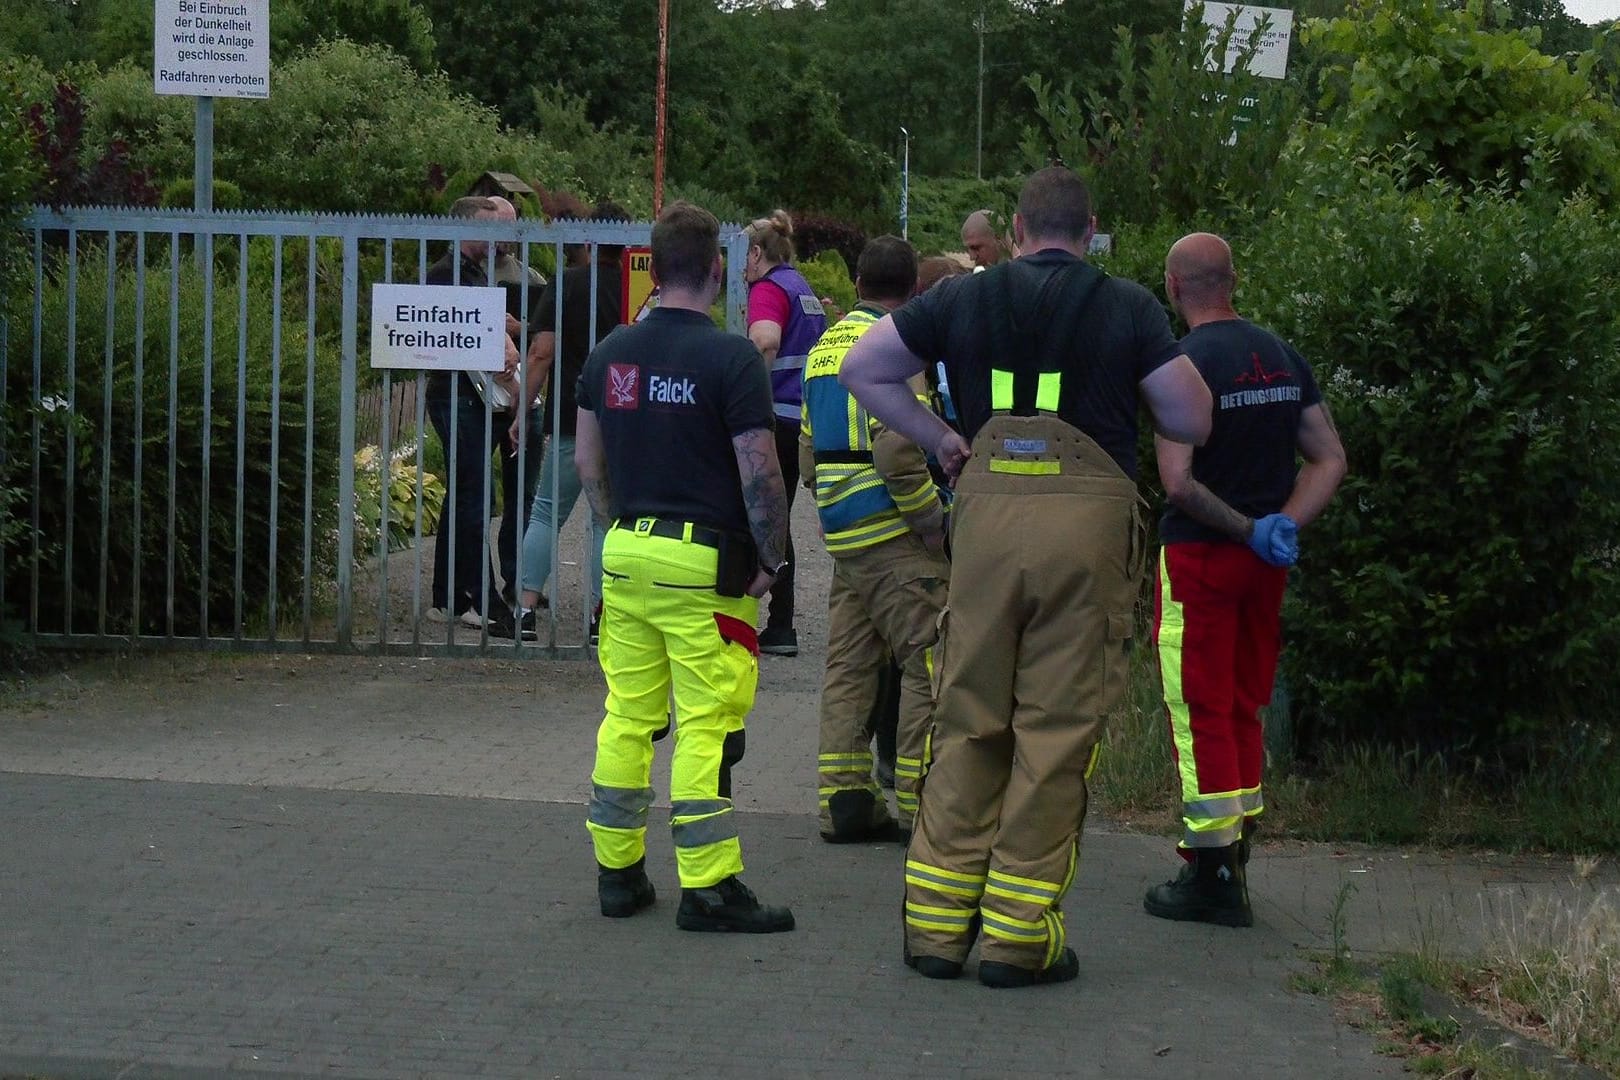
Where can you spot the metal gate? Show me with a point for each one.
(212, 461)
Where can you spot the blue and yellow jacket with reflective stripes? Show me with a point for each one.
(870, 484)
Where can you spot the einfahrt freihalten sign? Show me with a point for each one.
(211, 48)
(438, 327)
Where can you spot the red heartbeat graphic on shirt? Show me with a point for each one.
(1259, 376)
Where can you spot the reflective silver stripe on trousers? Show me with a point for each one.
(700, 822)
(620, 808)
(789, 363)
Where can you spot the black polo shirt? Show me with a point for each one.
(670, 393)
(1125, 338)
(574, 346)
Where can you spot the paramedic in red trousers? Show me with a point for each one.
(675, 453)
(1230, 532)
(1049, 360)
(785, 320)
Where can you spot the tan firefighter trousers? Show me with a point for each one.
(885, 602)
(1047, 548)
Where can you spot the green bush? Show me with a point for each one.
(937, 206)
(102, 450)
(346, 127)
(1169, 139)
(829, 277)
(403, 480)
(1475, 102)
(1461, 591)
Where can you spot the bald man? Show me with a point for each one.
(980, 241)
(1229, 535)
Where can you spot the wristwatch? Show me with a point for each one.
(775, 571)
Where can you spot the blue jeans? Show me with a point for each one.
(537, 539)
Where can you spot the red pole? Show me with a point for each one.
(662, 106)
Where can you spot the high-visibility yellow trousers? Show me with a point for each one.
(1047, 548)
(664, 628)
(885, 601)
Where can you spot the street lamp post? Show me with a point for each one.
(905, 184)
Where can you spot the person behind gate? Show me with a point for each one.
(884, 525)
(676, 454)
(1229, 536)
(1047, 358)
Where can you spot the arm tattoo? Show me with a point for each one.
(763, 494)
(597, 494)
(1203, 505)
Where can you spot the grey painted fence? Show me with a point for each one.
(194, 482)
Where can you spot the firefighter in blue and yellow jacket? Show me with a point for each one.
(884, 524)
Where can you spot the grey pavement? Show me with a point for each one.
(378, 868)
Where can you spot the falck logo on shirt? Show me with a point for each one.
(672, 390)
(623, 386)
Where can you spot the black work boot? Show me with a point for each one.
(1212, 888)
(1246, 840)
(1002, 976)
(852, 813)
(625, 891)
(729, 905)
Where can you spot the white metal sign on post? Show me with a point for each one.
(438, 327)
(1271, 56)
(207, 49)
(212, 48)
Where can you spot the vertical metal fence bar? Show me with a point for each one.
(70, 461)
(736, 288)
(5, 428)
(590, 515)
(207, 237)
(275, 434)
(520, 415)
(386, 464)
(137, 479)
(309, 436)
(421, 441)
(241, 423)
(174, 440)
(39, 328)
(349, 329)
(489, 478)
(451, 461)
(554, 433)
(106, 433)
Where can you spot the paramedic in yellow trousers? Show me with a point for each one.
(1047, 360)
(676, 453)
(884, 525)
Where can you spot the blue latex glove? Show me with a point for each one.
(1276, 540)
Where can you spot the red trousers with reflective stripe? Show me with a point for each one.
(1218, 633)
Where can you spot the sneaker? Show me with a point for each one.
(471, 618)
(505, 626)
(624, 892)
(438, 615)
(1000, 976)
(729, 905)
(779, 641)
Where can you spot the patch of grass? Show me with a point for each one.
(1554, 974)
(1569, 801)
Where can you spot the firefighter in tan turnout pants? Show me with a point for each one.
(884, 524)
(1047, 358)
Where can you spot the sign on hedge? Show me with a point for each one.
(211, 48)
(1270, 59)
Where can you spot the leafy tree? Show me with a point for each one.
(1474, 100)
(1171, 140)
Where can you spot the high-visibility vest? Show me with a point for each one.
(806, 322)
(856, 507)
